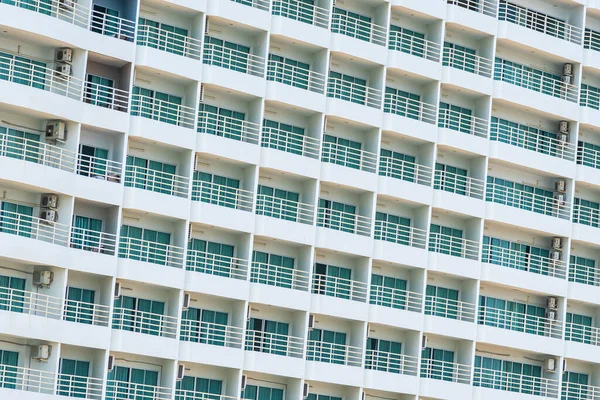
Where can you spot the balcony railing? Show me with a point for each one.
(588, 157)
(90, 240)
(468, 62)
(334, 353)
(528, 201)
(37, 152)
(409, 108)
(156, 181)
(39, 77)
(532, 141)
(106, 96)
(302, 11)
(445, 371)
(99, 168)
(513, 382)
(68, 11)
(25, 302)
(113, 26)
(363, 30)
(486, 7)
(86, 313)
(220, 56)
(295, 76)
(579, 391)
(396, 298)
(260, 4)
(343, 221)
(211, 333)
(416, 46)
(216, 264)
(181, 394)
(582, 334)
(274, 343)
(171, 42)
(144, 322)
(152, 252)
(354, 92)
(520, 260)
(222, 195)
(339, 287)
(163, 111)
(227, 127)
(454, 246)
(33, 228)
(591, 40)
(590, 98)
(289, 142)
(459, 184)
(449, 308)
(536, 81)
(580, 273)
(390, 362)
(27, 379)
(520, 322)
(464, 123)
(280, 276)
(349, 157)
(119, 390)
(288, 210)
(405, 170)
(400, 234)
(79, 386)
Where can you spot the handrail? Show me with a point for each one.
(295, 76)
(79, 386)
(582, 334)
(31, 303)
(579, 391)
(211, 333)
(27, 379)
(391, 362)
(232, 128)
(214, 193)
(520, 260)
(65, 10)
(99, 168)
(106, 96)
(236, 60)
(34, 228)
(406, 107)
(277, 275)
(589, 98)
(91, 240)
(400, 234)
(459, 184)
(520, 322)
(111, 25)
(181, 394)
(274, 343)
(586, 215)
(339, 287)
(351, 26)
(216, 264)
(156, 181)
(37, 152)
(290, 142)
(260, 4)
(354, 92)
(119, 390)
(288, 210)
(171, 42)
(532, 141)
(464, 61)
(343, 221)
(86, 313)
(405, 170)
(396, 298)
(455, 246)
(591, 39)
(464, 123)
(334, 353)
(580, 273)
(528, 201)
(449, 308)
(349, 157)
(502, 380)
(144, 322)
(485, 7)
(152, 252)
(588, 157)
(445, 370)
(163, 111)
(40, 77)
(302, 11)
(416, 46)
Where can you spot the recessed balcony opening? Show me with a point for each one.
(396, 286)
(590, 89)
(80, 371)
(460, 173)
(463, 111)
(583, 264)
(401, 222)
(586, 206)
(350, 144)
(100, 154)
(485, 7)
(591, 35)
(451, 297)
(114, 19)
(391, 350)
(278, 387)
(446, 359)
(468, 50)
(406, 159)
(454, 234)
(372, 394)
(336, 341)
(581, 326)
(94, 227)
(345, 209)
(355, 80)
(415, 34)
(133, 373)
(88, 298)
(314, 13)
(588, 146)
(339, 275)
(202, 380)
(362, 20)
(325, 391)
(411, 96)
(107, 82)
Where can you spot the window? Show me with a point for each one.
(24, 71)
(507, 375)
(531, 19)
(267, 336)
(446, 240)
(578, 328)
(407, 41)
(215, 189)
(156, 105)
(123, 380)
(9, 375)
(575, 386)
(437, 364)
(221, 53)
(332, 281)
(586, 212)
(392, 228)
(335, 215)
(16, 219)
(99, 91)
(136, 246)
(43, 6)
(139, 315)
(383, 355)
(20, 144)
(583, 270)
(284, 137)
(288, 71)
(150, 175)
(204, 326)
(86, 233)
(162, 36)
(277, 203)
(519, 195)
(590, 96)
(210, 257)
(588, 154)
(79, 306)
(12, 293)
(460, 57)
(347, 87)
(191, 387)
(351, 24)
(254, 392)
(73, 378)
(387, 291)
(512, 315)
(105, 21)
(326, 346)
(441, 302)
(455, 118)
(402, 103)
(528, 77)
(340, 151)
(315, 396)
(451, 179)
(221, 121)
(516, 255)
(524, 136)
(92, 161)
(272, 269)
(397, 165)
(591, 39)
(299, 10)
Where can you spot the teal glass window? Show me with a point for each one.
(215, 189)
(105, 21)
(535, 20)
(225, 54)
(336, 215)
(402, 103)
(254, 392)
(156, 105)
(298, 10)
(507, 375)
(204, 326)
(407, 41)
(446, 240)
(136, 246)
(150, 175)
(221, 121)
(519, 195)
(397, 165)
(139, 315)
(384, 355)
(25, 71)
(392, 228)
(455, 117)
(351, 24)
(579, 328)
(92, 161)
(591, 39)
(451, 179)
(272, 269)
(161, 36)
(388, 291)
(575, 386)
(512, 315)
(20, 144)
(16, 219)
(588, 154)
(341, 151)
(86, 233)
(524, 136)
(277, 203)
(267, 336)
(99, 91)
(441, 302)
(79, 305)
(460, 57)
(528, 77)
(347, 87)
(331, 280)
(327, 346)
(282, 136)
(73, 378)
(288, 71)
(9, 373)
(516, 255)
(590, 96)
(583, 270)
(210, 257)
(587, 212)
(12, 293)
(192, 388)
(437, 364)
(123, 380)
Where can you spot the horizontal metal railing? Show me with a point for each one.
(459, 184)
(106, 96)
(181, 394)
(513, 382)
(99, 168)
(400, 234)
(86, 313)
(152, 252)
(416, 46)
(334, 353)
(455, 246)
(464, 123)
(446, 371)
(64, 10)
(231, 128)
(520, 260)
(284, 209)
(211, 333)
(289, 142)
(580, 273)
(579, 391)
(302, 11)
(582, 334)
(354, 92)
(343, 221)
(119, 390)
(27, 379)
(464, 61)
(274, 343)
(277, 275)
(34, 228)
(221, 56)
(339, 287)
(260, 4)
(528, 201)
(591, 40)
(405, 170)
(588, 157)
(222, 195)
(216, 264)
(79, 386)
(144, 322)
(156, 181)
(163, 111)
(90, 240)
(295, 76)
(37, 152)
(31, 303)
(449, 308)
(111, 25)
(586, 215)
(396, 298)
(391, 362)
(363, 30)
(589, 98)
(520, 322)
(407, 107)
(486, 7)
(349, 157)
(171, 42)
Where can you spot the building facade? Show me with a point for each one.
(300, 199)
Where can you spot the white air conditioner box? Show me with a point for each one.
(41, 352)
(42, 278)
(56, 130)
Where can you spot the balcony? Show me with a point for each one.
(99, 168)
(396, 298)
(211, 333)
(222, 195)
(163, 111)
(578, 391)
(449, 308)
(170, 42)
(340, 288)
(151, 252)
(416, 46)
(118, 390)
(400, 234)
(463, 123)
(445, 371)
(290, 142)
(147, 323)
(74, 13)
(528, 201)
(228, 127)
(156, 181)
(453, 246)
(513, 382)
(405, 170)
(354, 92)
(280, 276)
(404, 106)
(581, 272)
(274, 343)
(343, 221)
(354, 27)
(349, 157)
(485, 7)
(296, 76)
(284, 209)
(78, 386)
(112, 26)
(220, 56)
(301, 11)
(590, 100)
(216, 264)
(458, 184)
(519, 322)
(385, 361)
(258, 4)
(582, 334)
(27, 226)
(468, 62)
(106, 96)
(333, 353)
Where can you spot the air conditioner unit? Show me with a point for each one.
(550, 365)
(556, 255)
(48, 216)
(557, 243)
(551, 315)
(111, 362)
(560, 199)
(563, 127)
(64, 54)
(305, 390)
(423, 342)
(567, 79)
(69, 4)
(117, 292)
(180, 371)
(311, 322)
(41, 352)
(243, 385)
(202, 90)
(186, 301)
(568, 69)
(552, 303)
(562, 138)
(560, 186)
(43, 278)
(49, 200)
(56, 130)
(63, 70)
